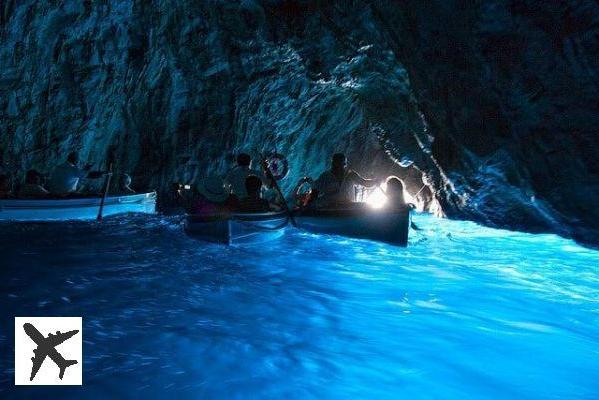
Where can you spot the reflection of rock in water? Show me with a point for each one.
(499, 109)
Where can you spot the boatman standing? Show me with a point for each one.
(65, 177)
(336, 186)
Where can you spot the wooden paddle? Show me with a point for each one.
(105, 194)
(271, 177)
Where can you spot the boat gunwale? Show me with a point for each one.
(243, 217)
(349, 212)
(77, 202)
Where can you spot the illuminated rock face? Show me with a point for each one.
(509, 92)
(494, 108)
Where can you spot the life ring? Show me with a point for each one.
(302, 198)
(279, 166)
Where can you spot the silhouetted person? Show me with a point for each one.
(65, 178)
(336, 186)
(33, 189)
(395, 192)
(235, 179)
(253, 202)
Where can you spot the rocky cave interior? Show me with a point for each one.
(488, 110)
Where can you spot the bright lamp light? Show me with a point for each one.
(377, 198)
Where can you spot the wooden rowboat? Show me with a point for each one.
(237, 228)
(85, 208)
(358, 221)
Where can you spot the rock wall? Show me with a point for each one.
(493, 105)
(509, 90)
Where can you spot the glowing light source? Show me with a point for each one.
(377, 198)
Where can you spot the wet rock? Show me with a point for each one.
(508, 94)
(491, 107)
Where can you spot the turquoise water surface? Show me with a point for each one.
(465, 312)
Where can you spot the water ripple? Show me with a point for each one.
(463, 312)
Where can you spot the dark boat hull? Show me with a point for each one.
(237, 228)
(388, 226)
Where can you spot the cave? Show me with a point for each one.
(486, 111)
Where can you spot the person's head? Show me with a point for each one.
(338, 162)
(244, 160)
(73, 157)
(4, 183)
(394, 188)
(125, 181)
(253, 185)
(32, 177)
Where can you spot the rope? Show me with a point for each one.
(418, 192)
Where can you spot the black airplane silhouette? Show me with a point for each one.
(46, 347)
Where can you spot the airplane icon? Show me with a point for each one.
(46, 347)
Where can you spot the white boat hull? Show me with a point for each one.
(75, 208)
(237, 228)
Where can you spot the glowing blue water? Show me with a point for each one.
(464, 312)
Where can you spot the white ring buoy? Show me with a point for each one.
(299, 195)
(279, 166)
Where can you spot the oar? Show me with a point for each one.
(105, 194)
(271, 177)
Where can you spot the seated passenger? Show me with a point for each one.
(125, 184)
(235, 179)
(5, 189)
(336, 186)
(65, 178)
(253, 202)
(212, 197)
(394, 192)
(32, 189)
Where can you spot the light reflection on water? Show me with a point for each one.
(463, 312)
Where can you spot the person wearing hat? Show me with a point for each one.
(212, 198)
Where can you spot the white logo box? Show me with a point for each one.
(69, 349)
